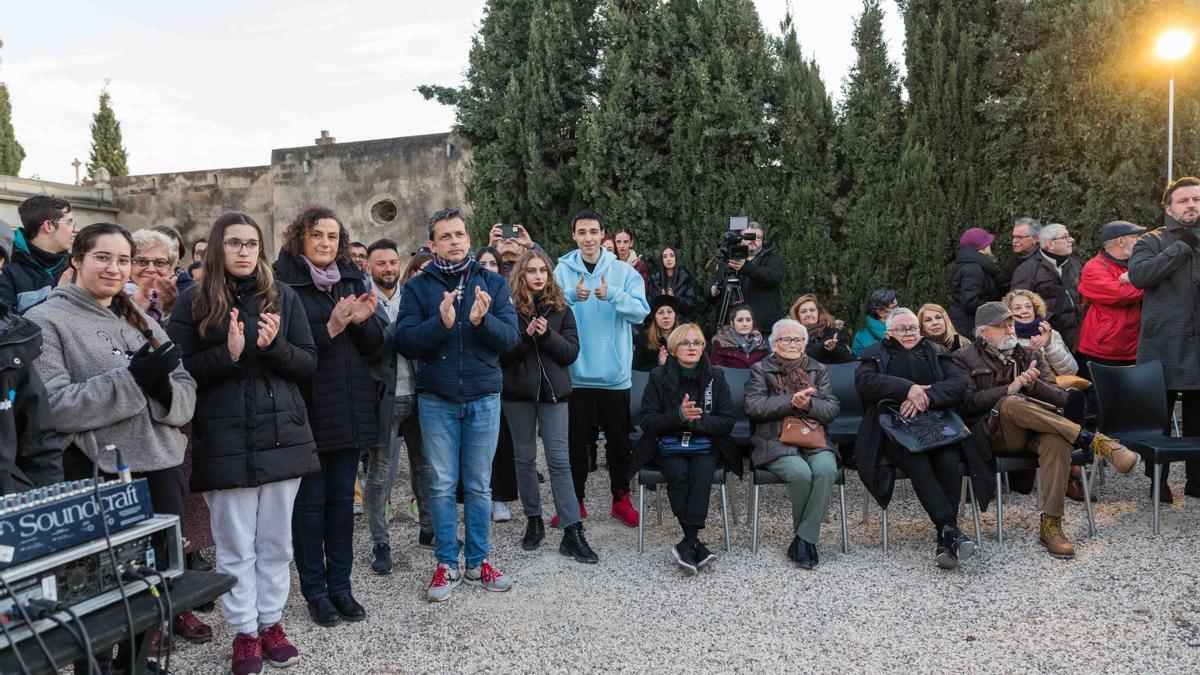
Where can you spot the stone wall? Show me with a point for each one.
(89, 204)
(191, 200)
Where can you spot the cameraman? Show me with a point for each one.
(759, 275)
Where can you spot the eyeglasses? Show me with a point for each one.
(692, 344)
(160, 264)
(358, 256)
(105, 259)
(790, 340)
(236, 245)
(905, 330)
(1065, 237)
(1023, 236)
(66, 220)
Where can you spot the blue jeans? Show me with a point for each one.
(323, 525)
(460, 440)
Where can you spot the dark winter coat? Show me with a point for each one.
(839, 354)
(1011, 263)
(462, 363)
(29, 455)
(1059, 287)
(645, 358)
(973, 283)
(660, 411)
(727, 353)
(760, 279)
(767, 404)
(536, 369)
(1169, 271)
(987, 386)
(29, 275)
(876, 381)
(684, 288)
(343, 395)
(250, 427)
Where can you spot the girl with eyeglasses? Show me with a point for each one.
(687, 415)
(245, 338)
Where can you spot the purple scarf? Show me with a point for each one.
(324, 279)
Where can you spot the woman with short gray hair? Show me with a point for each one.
(152, 277)
(789, 384)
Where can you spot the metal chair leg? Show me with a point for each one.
(725, 518)
(641, 518)
(1157, 490)
(658, 490)
(866, 507)
(733, 517)
(754, 518)
(845, 529)
(885, 531)
(974, 512)
(962, 496)
(999, 509)
(1087, 500)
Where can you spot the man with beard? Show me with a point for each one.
(1009, 403)
(1166, 265)
(395, 372)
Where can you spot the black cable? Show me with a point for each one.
(112, 557)
(93, 667)
(166, 589)
(29, 624)
(13, 643)
(158, 605)
(86, 638)
(46, 609)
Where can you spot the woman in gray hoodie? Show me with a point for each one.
(112, 375)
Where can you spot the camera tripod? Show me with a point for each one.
(731, 296)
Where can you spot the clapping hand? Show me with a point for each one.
(341, 316)
(537, 326)
(480, 307)
(802, 400)
(363, 307)
(1026, 379)
(446, 308)
(268, 328)
(689, 410)
(1042, 339)
(236, 340)
(167, 292)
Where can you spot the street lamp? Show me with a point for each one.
(1172, 46)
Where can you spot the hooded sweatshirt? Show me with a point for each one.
(94, 400)
(605, 326)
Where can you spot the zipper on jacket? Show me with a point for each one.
(349, 377)
(274, 409)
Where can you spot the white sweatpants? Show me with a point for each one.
(252, 528)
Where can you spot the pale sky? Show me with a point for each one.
(220, 83)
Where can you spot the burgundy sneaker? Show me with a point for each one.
(247, 655)
(622, 509)
(582, 515)
(275, 647)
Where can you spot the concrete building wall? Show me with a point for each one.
(89, 204)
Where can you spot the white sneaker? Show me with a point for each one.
(489, 577)
(445, 580)
(500, 512)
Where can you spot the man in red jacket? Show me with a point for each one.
(1113, 321)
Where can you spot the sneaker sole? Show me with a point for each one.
(379, 573)
(1060, 556)
(487, 587)
(946, 561)
(706, 562)
(624, 522)
(534, 547)
(453, 585)
(679, 561)
(281, 664)
(966, 551)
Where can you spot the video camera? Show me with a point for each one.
(732, 246)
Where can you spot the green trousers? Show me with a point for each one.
(810, 486)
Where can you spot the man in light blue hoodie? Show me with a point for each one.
(608, 297)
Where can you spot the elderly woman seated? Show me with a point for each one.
(687, 415)
(791, 384)
(937, 328)
(911, 372)
(152, 277)
(1035, 334)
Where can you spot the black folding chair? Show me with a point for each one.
(761, 477)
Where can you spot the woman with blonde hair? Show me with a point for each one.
(1034, 332)
(827, 341)
(937, 327)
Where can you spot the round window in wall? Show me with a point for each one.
(384, 211)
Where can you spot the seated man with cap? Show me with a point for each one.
(1015, 406)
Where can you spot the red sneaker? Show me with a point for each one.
(276, 648)
(582, 515)
(247, 655)
(622, 509)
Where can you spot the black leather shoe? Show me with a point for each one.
(812, 554)
(323, 613)
(793, 549)
(535, 532)
(348, 607)
(803, 558)
(425, 539)
(574, 545)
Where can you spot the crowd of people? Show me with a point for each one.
(252, 393)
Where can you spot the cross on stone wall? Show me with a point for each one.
(325, 138)
(77, 164)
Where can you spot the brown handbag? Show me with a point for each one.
(802, 433)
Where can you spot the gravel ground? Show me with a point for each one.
(1127, 603)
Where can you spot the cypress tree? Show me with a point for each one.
(108, 151)
(803, 127)
(11, 152)
(869, 146)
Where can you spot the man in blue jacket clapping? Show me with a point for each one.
(455, 320)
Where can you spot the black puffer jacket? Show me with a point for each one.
(683, 286)
(536, 369)
(250, 427)
(973, 283)
(29, 457)
(343, 396)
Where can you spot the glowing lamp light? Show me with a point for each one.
(1174, 45)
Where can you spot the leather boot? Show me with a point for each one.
(1053, 538)
(535, 532)
(574, 545)
(1122, 458)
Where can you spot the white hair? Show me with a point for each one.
(1051, 231)
(777, 329)
(146, 239)
(898, 312)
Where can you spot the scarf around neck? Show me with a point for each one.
(747, 343)
(459, 267)
(323, 278)
(795, 377)
(1028, 330)
(1124, 264)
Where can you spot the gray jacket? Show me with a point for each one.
(1059, 287)
(766, 405)
(1168, 270)
(94, 400)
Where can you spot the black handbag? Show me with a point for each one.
(924, 431)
